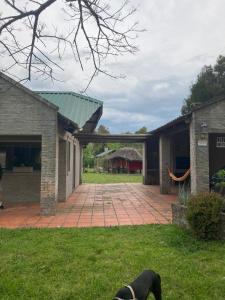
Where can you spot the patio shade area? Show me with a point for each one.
(96, 205)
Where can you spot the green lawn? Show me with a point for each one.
(87, 264)
(91, 177)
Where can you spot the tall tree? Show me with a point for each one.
(142, 130)
(92, 30)
(100, 147)
(102, 130)
(210, 83)
(88, 156)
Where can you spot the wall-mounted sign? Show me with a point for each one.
(220, 142)
(203, 143)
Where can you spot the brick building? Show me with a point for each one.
(195, 141)
(41, 157)
(41, 151)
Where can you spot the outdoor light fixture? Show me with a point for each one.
(204, 125)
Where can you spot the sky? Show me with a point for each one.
(180, 38)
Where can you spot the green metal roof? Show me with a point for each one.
(75, 107)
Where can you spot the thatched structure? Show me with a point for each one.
(127, 153)
(125, 160)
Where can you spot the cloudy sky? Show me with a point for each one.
(181, 36)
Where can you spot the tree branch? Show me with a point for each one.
(104, 30)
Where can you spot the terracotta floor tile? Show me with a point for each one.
(96, 205)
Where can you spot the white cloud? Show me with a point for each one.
(117, 119)
(161, 86)
(181, 37)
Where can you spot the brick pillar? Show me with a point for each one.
(49, 174)
(62, 171)
(81, 164)
(145, 163)
(164, 163)
(199, 157)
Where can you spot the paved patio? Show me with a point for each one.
(97, 205)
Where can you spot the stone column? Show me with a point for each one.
(62, 171)
(199, 157)
(164, 163)
(145, 164)
(81, 163)
(49, 174)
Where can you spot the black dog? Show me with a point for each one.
(147, 282)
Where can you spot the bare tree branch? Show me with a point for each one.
(95, 31)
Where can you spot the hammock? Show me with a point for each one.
(179, 179)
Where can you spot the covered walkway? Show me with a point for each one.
(97, 205)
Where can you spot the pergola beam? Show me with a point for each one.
(112, 138)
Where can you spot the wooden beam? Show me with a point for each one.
(113, 138)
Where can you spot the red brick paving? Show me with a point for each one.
(97, 205)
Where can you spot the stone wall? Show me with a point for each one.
(23, 114)
(21, 187)
(68, 181)
(179, 215)
(62, 171)
(204, 121)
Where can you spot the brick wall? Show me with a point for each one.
(21, 187)
(210, 119)
(22, 114)
(67, 181)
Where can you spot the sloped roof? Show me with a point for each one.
(185, 118)
(18, 85)
(126, 153)
(104, 153)
(75, 107)
(171, 124)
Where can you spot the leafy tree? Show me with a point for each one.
(103, 130)
(210, 83)
(88, 156)
(142, 130)
(100, 147)
(92, 31)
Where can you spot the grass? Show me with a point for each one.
(92, 177)
(93, 263)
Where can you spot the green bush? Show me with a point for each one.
(218, 177)
(221, 174)
(220, 188)
(203, 215)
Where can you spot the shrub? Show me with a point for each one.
(219, 187)
(218, 177)
(203, 215)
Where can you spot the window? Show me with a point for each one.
(20, 156)
(220, 141)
